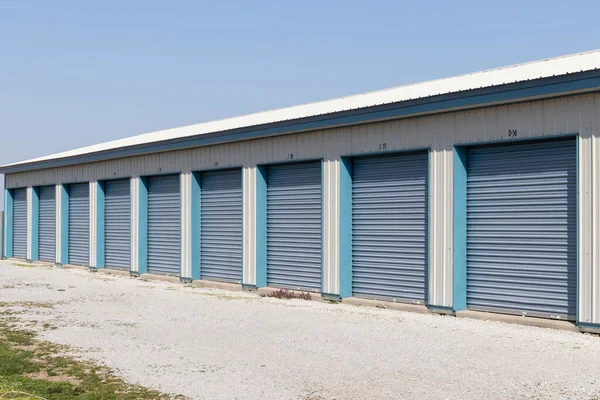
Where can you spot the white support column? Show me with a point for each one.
(331, 227)
(93, 197)
(441, 227)
(186, 225)
(29, 221)
(134, 188)
(58, 205)
(588, 235)
(249, 226)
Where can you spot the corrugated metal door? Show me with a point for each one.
(294, 237)
(47, 224)
(389, 227)
(164, 225)
(117, 224)
(19, 240)
(521, 228)
(221, 225)
(79, 224)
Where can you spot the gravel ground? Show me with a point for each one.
(215, 344)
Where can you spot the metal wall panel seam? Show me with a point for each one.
(29, 191)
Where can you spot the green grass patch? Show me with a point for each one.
(31, 369)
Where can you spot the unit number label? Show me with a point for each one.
(512, 133)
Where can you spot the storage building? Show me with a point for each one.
(478, 192)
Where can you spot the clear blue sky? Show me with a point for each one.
(74, 73)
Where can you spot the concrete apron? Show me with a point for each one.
(407, 307)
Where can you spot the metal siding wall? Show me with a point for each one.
(134, 222)
(540, 118)
(186, 224)
(294, 226)
(29, 221)
(19, 235)
(221, 230)
(93, 223)
(390, 227)
(521, 229)
(164, 225)
(47, 227)
(249, 229)
(331, 227)
(117, 224)
(79, 224)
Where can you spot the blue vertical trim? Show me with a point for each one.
(8, 222)
(143, 226)
(459, 274)
(261, 226)
(195, 223)
(345, 227)
(100, 210)
(64, 237)
(35, 218)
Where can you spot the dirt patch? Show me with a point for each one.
(53, 378)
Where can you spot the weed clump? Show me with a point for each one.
(286, 295)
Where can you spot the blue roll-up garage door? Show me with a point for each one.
(294, 204)
(79, 224)
(19, 239)
(521, 229)
(47, 224)
(164, 232)
(221, 225)
(117, 224)
(389, 227)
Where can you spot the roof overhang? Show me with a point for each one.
(562, 85)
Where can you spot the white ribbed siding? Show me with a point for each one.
(186, 225)
(331, 226)
(249, 226)
(59, 227)
(93, 219)
(29, 195)
(135, 224)
(576, 114)
(441, 227)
